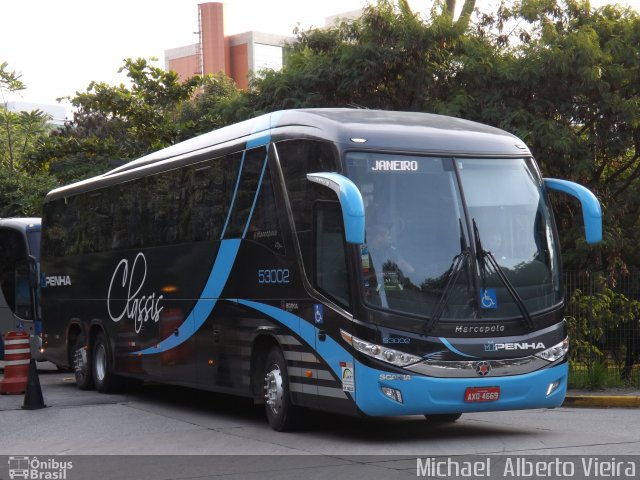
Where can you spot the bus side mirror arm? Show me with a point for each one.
(591, 211)
(350, 201)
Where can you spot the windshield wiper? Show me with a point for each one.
(485, 257)
(453, 273)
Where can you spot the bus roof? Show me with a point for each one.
(380, 130)
(22, 224)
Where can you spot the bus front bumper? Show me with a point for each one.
(375, 392)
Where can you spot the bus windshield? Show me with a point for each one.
(422, 253)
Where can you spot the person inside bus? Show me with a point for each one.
(390, 270)
(384, 252)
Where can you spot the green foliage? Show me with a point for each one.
(596, 376)
(20, 134)
(21, 193)
(117, 123)
(389, 59)
(605, 321)
(19, 131)
(567, 87)
(558, 74)
(212, 106)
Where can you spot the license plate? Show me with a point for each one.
(481, 394)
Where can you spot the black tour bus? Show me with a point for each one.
(354, 261)
(19, 257)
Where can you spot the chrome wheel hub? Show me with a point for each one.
(80, 359)
(273, 389)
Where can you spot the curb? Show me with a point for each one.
(590, 401)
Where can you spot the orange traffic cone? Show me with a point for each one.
(16, 363)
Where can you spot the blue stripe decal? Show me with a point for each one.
(207, 301)
(255, 197)
(329, 350)
(258, 140)
(233, 198)
(452, 348)
(261, 134)
(227, 253)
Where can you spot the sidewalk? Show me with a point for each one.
(611, 397)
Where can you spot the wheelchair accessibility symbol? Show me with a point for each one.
(488, 298)
(318, 314)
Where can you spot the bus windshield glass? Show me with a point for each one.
(422, 254)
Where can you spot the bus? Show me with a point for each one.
(354, 261)
(19, 258)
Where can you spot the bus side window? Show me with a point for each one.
(23, 306)
(297, 158)
(53, 233)
(264, 227)
(330, 263)
(12, 250)
(245, 194)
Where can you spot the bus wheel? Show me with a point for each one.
(82, 365)
(443, 417)
(281, 413)
(105, 381)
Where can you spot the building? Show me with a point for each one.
(57, 113)
(233, 55)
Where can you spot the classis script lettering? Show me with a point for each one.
(127, 283)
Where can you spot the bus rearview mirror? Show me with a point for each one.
(591, 211)
(350, 201)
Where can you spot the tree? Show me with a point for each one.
(9, 82)
(568, 86)
(21, 194)
(389, 58)
(211, 107)
(19, 131)
(117, 123)
(557, 73)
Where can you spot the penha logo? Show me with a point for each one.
(57, 281)
(494, 347)
(140, 309)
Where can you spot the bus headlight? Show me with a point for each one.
(389, 355)
(556, 352)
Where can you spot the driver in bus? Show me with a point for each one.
(384, 252)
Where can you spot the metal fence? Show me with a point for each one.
(603, 315)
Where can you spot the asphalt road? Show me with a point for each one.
(232, 433)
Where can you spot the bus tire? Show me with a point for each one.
(105, 381)
(281, 413)
(443, 417)
(82, 364)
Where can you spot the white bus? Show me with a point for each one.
(19, 296)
